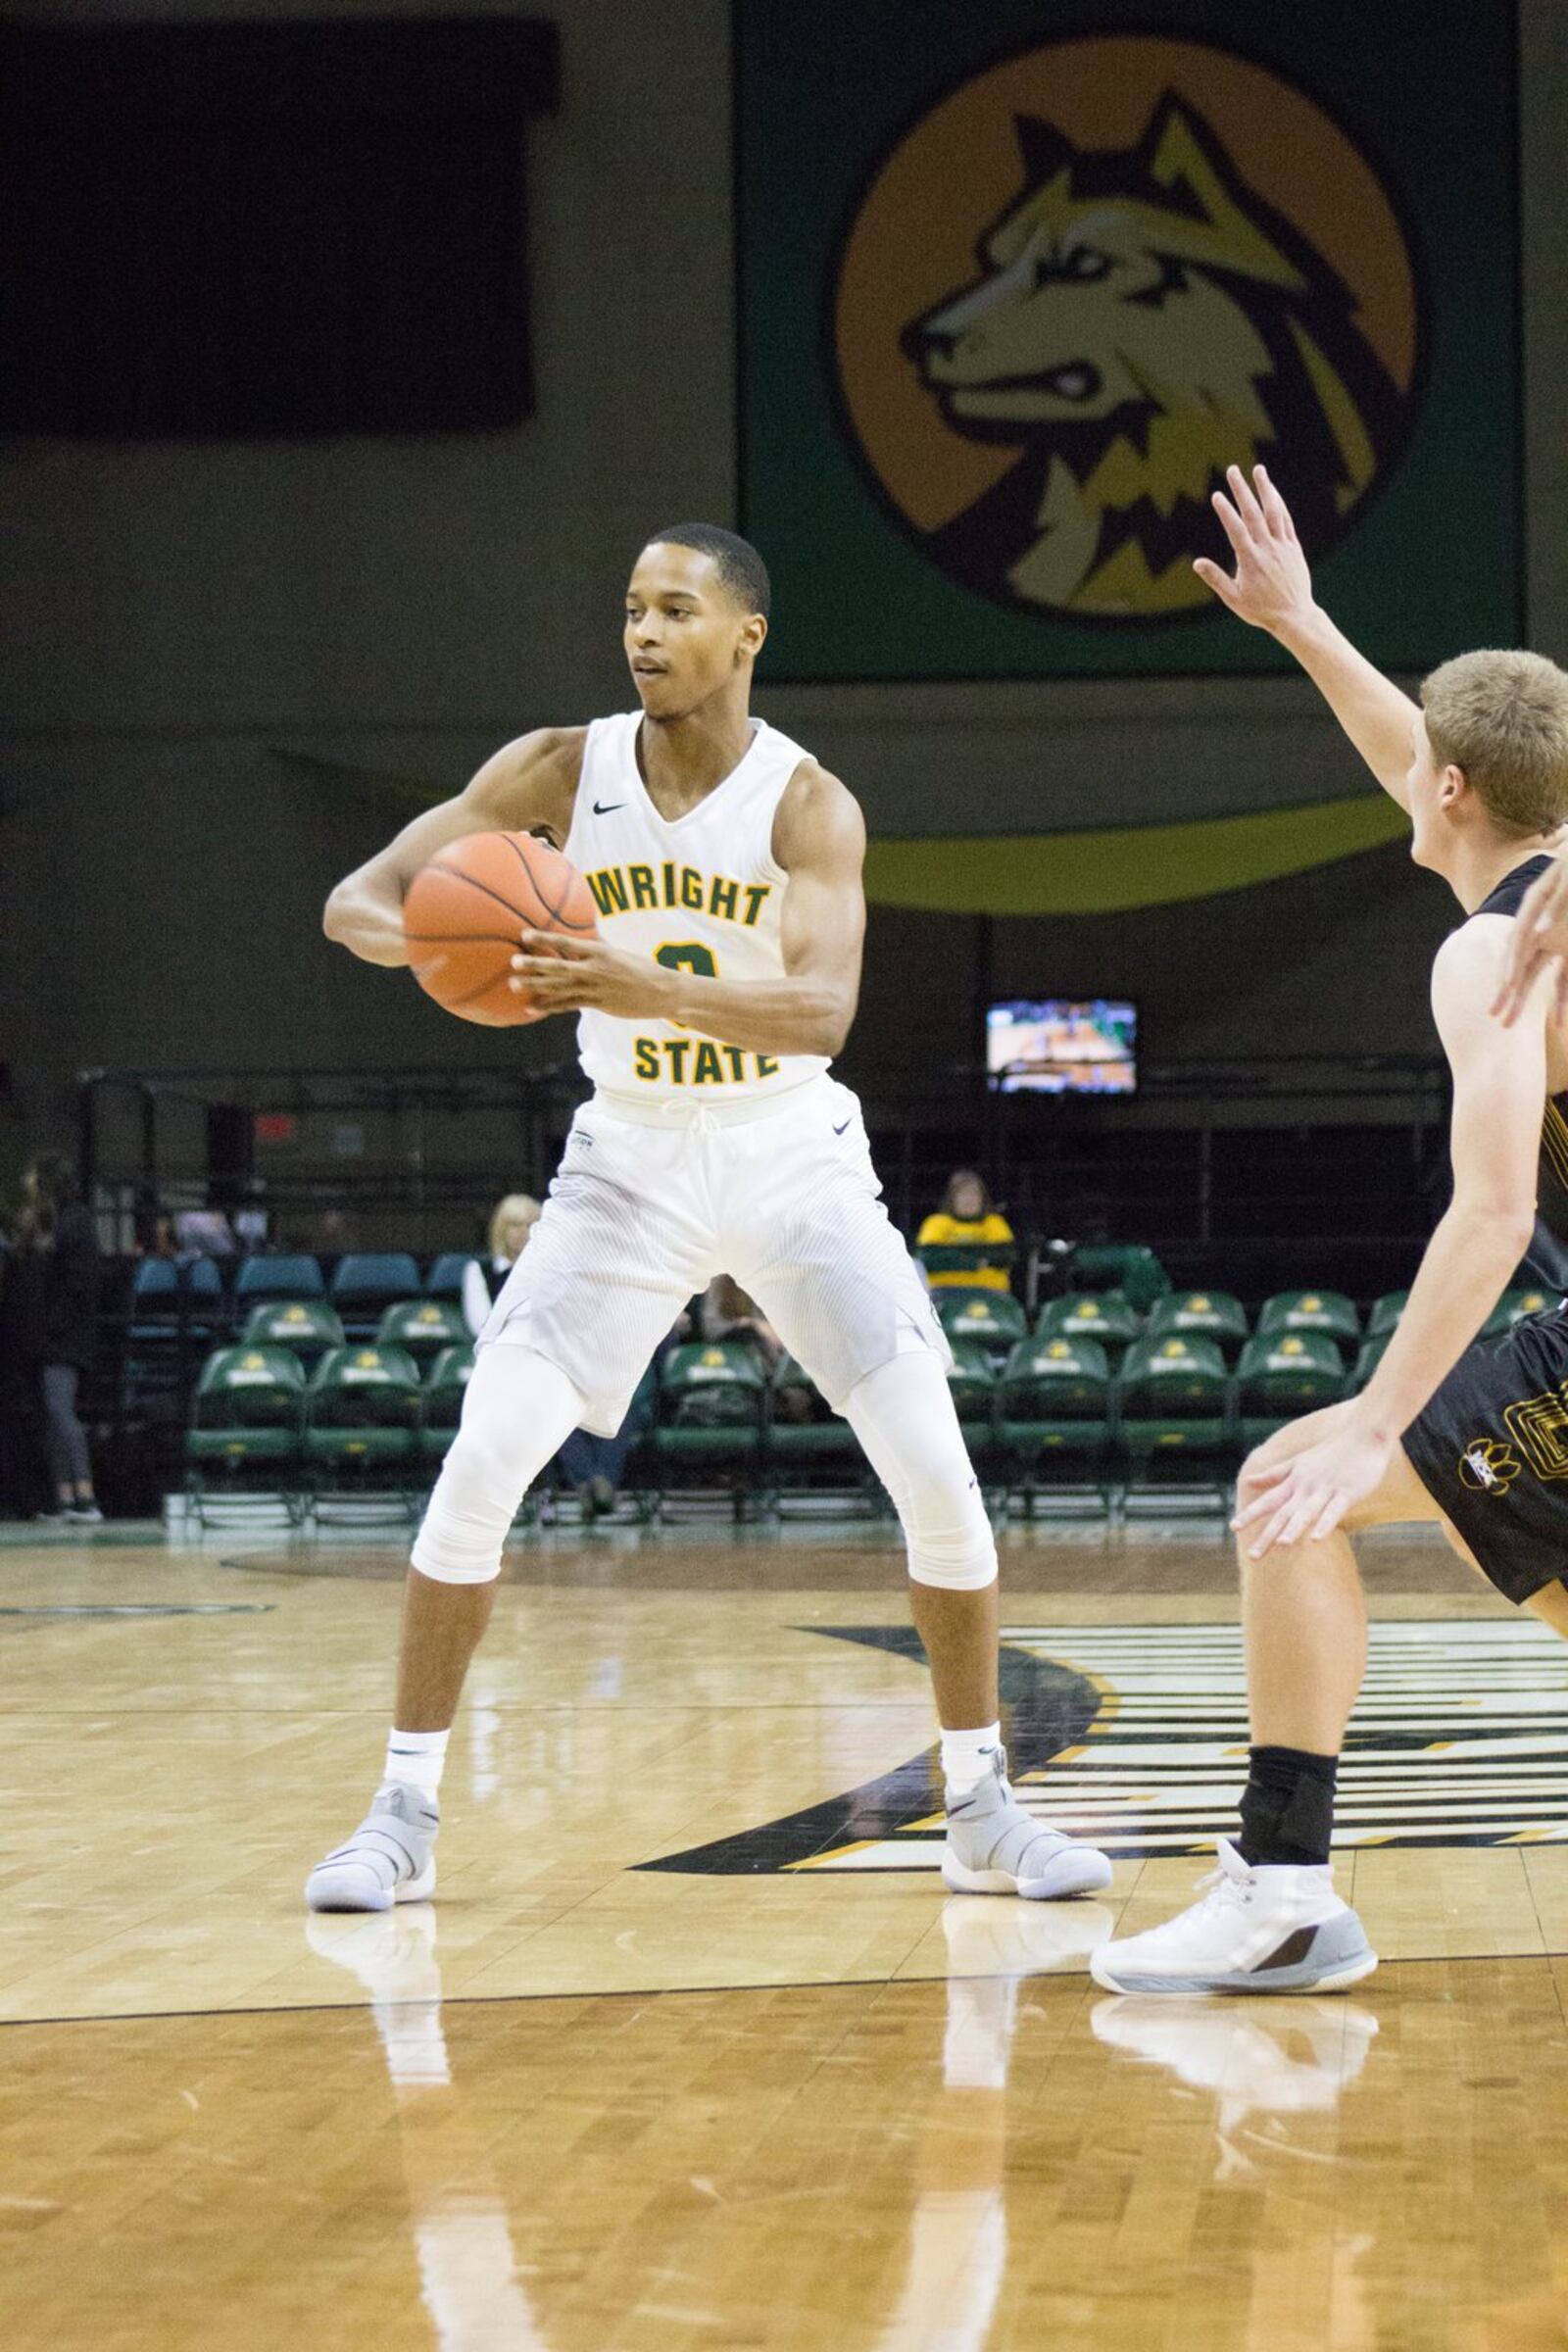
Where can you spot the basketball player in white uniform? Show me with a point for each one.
(726, 868)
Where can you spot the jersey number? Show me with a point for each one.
(690, 956)
(687, 956)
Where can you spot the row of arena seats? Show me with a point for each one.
(193, 1295)
(996, 1322)
(1096, 1401)
(350, 1418)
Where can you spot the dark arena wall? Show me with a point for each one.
(237, 662)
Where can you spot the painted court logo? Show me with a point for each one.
(1134, 1738)
(1088, 280)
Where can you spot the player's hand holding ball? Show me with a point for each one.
(465, 912)
(589, 975)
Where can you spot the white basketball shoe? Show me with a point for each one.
(994, 1847)
(389, 1859)
(1278, 1928)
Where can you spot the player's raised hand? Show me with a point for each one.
(1540, 939)
(1271, 585)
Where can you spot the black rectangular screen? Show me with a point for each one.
(266, 228)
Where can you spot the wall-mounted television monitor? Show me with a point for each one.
(1062, 1046)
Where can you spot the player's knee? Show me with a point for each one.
(1260, 1462)
(950, 1536)
(473, 1504)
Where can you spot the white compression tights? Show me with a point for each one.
(519, 1407)
(902, 1415)
(516, 1414)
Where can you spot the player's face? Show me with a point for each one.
(685, 636)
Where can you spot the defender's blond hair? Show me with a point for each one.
(515, 1209)
(1502, 719)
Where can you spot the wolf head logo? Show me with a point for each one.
(1143, 318)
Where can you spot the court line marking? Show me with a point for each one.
(678, 1993)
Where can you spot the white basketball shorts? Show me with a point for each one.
(648, 1206)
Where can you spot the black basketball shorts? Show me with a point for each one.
(1491, 1450)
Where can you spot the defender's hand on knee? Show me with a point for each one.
(1304, 1500)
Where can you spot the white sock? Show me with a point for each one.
(967, 1756)
(417, 1756)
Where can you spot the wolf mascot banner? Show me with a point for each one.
(1005, 318)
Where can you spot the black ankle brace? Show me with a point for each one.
(1288, 1806)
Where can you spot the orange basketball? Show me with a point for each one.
(463, 912)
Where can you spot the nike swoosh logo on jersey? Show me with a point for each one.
(839, 1130)
(607, 807)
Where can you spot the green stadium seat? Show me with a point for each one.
(1385, 1313)
(1106, 1318)
(1284, 1374)
(366, 1282)
(710, 1416)
(1328, 1312)
(1054, 1415)
(990, 1319)
(246, 1420)
(295, 1276)
(363, 1413)
(1203, 1314)
(1173, 1405)
(445, 1278)
(306, 1327)
(1372, 1353)
(972, 1386)
(441, 1397)
(424, 1328)
(971, 1383)
(808, 1443)
(1125, 1267)
(177, 1312)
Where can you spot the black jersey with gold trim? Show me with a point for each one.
(1547, 1258)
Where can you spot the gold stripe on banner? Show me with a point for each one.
(1107, 872)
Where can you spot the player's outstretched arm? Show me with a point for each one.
(1271, 588)
(820, 840)
(1499, 1084)
(525, 784)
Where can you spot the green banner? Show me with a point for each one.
(1017, 282)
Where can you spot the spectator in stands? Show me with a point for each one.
(512, 1221)
(594, 1465)
(725, 1312)
(966, 1220)
(203, 1233)
(24, 1464)
(55, 1227)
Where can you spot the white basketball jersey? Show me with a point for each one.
(701, 893)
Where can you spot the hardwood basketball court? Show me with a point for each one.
(691, 2051)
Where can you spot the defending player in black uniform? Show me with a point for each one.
(1470, 1433)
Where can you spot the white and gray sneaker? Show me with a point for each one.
(389, 1859)
(1278, 1928)
(994, 1847)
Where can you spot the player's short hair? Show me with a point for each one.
(736, 561)
(1502, 719)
